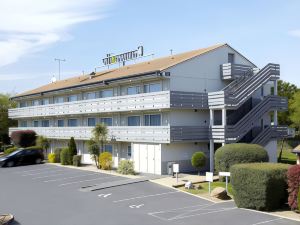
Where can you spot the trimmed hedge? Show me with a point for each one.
(57, 154)
(126, 167)
(293, 176)
(65, 157)
(105, 161)
(51, 158)
(10, 150)
(198, 160)
(260, 186)
(77, 160)
(231, 154)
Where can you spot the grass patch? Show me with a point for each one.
(202, 188)
(287, 156)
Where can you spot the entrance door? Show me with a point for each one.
(143, 158)
(151, 159)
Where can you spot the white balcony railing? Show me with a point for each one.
(157, 134)
(145, 101)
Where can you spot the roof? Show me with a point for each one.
(151, 66)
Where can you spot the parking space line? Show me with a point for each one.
(75, 182)
(52, 175)
(65, 178)
(146, 196)
(35, 170)
(33, 174)
(267, 221)
(186, 207)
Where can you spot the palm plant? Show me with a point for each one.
(100, 132)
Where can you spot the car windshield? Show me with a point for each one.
(14, 153)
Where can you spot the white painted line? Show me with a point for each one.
(65, 178)
(33, 174)
(53, 175)
(267, 221)
(76, 182)
(136, 206)
(198, 214)
(26, 171)
(186, 207)
(104, 195)
(146, 196)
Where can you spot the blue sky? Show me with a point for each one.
(33, 33)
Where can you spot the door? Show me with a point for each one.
(151, 159)
(143, 158)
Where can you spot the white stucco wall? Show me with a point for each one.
(271, 148)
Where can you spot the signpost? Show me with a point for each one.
(176, 170)
(209, 176)
(226, 175)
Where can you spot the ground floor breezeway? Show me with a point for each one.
(148, 157)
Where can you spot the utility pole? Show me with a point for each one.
(59, 60)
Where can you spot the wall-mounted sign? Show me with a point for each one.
(123, 57)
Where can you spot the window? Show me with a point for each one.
(35, 102)
(152, 120)
(45, 123)
(230, 58)
(60, 123)
(152, 87)
(23, 124)
(133, 121)
(45, 101)
(23, 104)
(108, 148)
(72, 98)
(107, 121)
(91, 122)
(129, 151)
(106, 93)
(133, 90)
(35, 123)
(91, 95)
(72, 122)
(58, 99)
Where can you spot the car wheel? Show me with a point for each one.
(10, 164)
(38, 161)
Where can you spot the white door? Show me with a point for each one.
(143, 158)
(151, 159)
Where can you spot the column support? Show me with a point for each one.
(211, 155)
(275, 111)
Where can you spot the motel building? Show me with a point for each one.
(161, 111)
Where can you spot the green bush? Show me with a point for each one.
(105, 160)
(38, 148)
(72, 148)
(51, 158)
(231, 154)
(260, 186)
(77, 160)
(65, 157)
(198, 160)
(126, 167)
(57, 154)
(10, 150)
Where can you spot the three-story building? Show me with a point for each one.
(161, 111)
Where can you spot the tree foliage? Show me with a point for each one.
(295, 110)
(198, 160)
(43, 142)
(23, 138)
(93, 148)
(100, 134)
(5, 122)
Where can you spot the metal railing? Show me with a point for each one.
(231, 71)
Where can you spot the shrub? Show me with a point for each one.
(51, 158)
(126, 167)
(231, 154)
(38, 148)
(77, 160)
(261, 186)
(23, 138)
(57, 154)
(293, 177)
(105, 161)
(72, 147)
(65, 157)
(198, 160)
(93, 149)
(10, 150)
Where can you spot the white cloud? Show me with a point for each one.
(28, 26)
(295, 33)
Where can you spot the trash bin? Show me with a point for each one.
(170, 168)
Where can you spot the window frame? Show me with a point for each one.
(149, 84)
(87, 121)
(106, 118)
(150, 120)
(63, 125)
(134, 125)
(137, 87)
(73, 119)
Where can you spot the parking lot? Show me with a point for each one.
(47, 195)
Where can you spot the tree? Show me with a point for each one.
(93, 148)
(5, 122)
(43, 142)
(23, 138)
(100, 135)
(286, 89)
(198, 160)
(72, 148)
(295, 110)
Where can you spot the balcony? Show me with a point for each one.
(231, 71)
(150, 134)
(145, 101)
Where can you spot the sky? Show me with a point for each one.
(35, 32)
